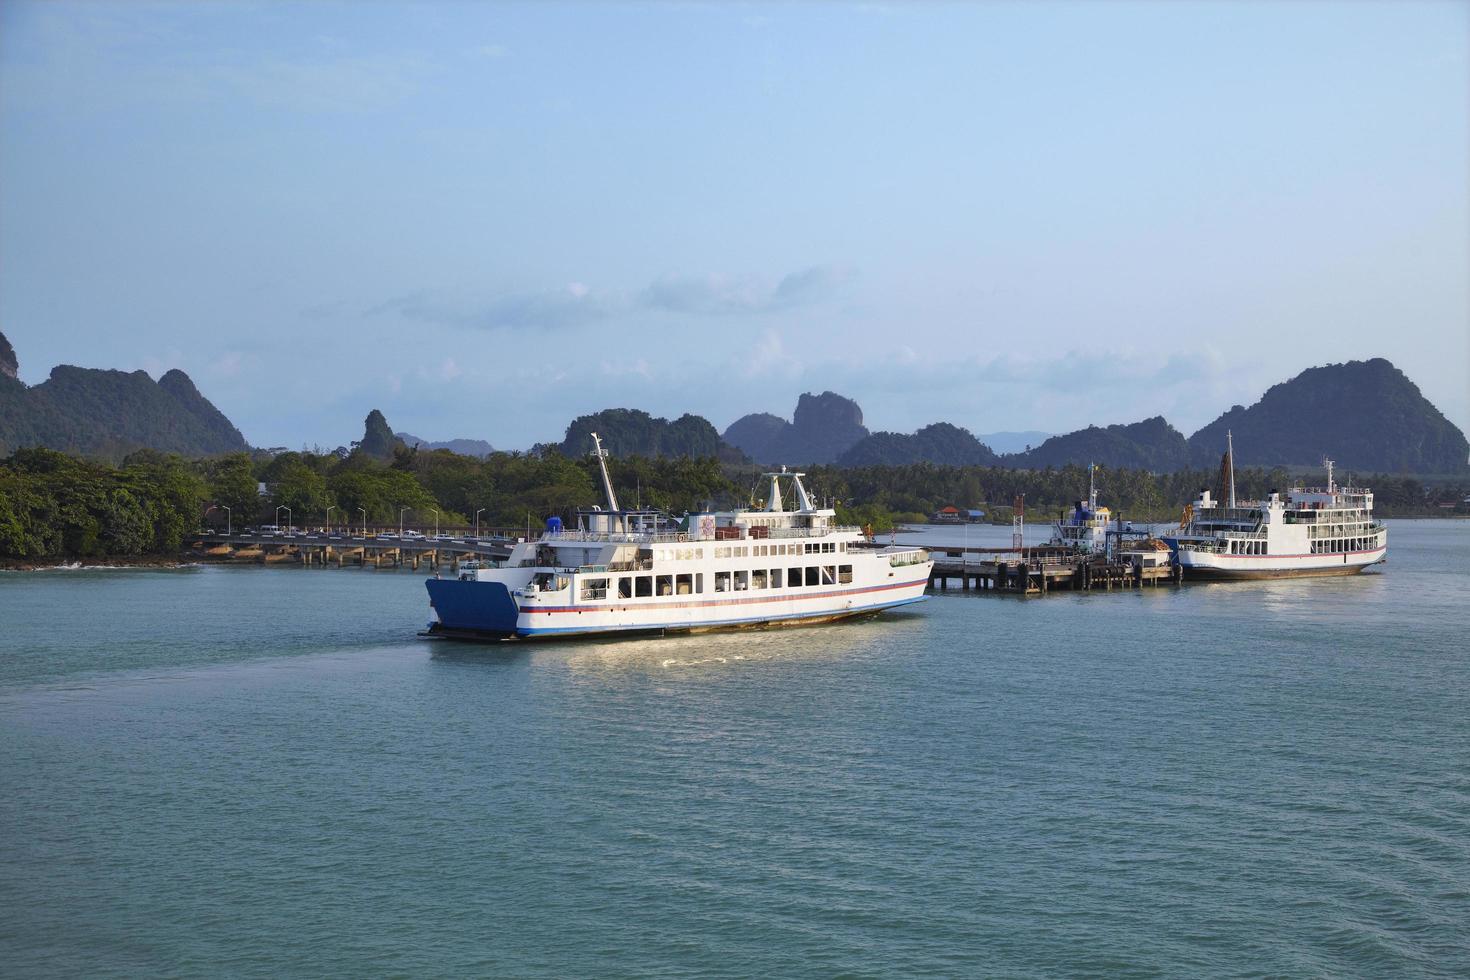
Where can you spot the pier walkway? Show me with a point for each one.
(344, 547)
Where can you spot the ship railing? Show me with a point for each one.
(616, 537)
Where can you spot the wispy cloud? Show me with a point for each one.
(96, 56)
(577, 304)
(572, 305)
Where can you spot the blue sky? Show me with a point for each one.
(485, 220)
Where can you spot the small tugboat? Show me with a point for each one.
(1307, 531)
(635, 570)
(1085, 529)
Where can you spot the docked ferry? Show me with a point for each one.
(1306, 531)
(632, 570)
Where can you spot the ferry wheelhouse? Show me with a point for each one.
(633, 570)
(1306, 531)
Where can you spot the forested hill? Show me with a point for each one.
(937, 443)
(1366, 415)
(631, 432)
(1152, 444)
(108, 414)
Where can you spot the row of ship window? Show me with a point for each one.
(1343, 545)
(752, 550)
(647, 586)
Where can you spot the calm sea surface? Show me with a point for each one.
(251, 771)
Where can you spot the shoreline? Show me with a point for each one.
(187, 560)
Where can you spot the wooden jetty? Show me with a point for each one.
(1037, 571)
(348, 549)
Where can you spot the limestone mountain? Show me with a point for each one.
(377, 437)
(633, 432)
(1152, 444)
(108, 414)
(938, 443)
(822, 428)
(1366, 415)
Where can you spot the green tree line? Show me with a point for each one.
(57, 506)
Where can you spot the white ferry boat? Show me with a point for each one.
(1309, 531)
(629, 570)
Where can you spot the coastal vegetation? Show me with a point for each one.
(55, 506)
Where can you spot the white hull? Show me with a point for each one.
(1200, 564)
(697, 613)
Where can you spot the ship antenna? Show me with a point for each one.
(1091, 488)
(607, 487)
(1230, 452)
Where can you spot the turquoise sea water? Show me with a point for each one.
(251, 771)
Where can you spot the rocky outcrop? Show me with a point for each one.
(9, 366)
(823, 428)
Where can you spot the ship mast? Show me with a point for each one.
(1230, 454)
(1328, 463)
(601, 454)
(1091, 488)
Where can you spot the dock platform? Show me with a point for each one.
(1037, 571)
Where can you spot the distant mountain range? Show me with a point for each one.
(464, 447)
(109, 414)
(1366, 415)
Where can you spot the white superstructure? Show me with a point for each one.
(1307, 531)
(633, 570)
